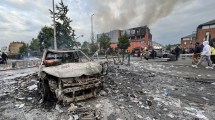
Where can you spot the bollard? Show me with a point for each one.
(13, 65)
(128, 59)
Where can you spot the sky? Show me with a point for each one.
(168, 20)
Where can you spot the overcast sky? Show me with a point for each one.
(169, 20)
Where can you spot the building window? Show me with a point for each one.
(123, 33)
(206, 27)
(138, 31)
(186, 38)
(127, 32)
(132, 31)
(185, 43)
(212, 26)
(142, 42)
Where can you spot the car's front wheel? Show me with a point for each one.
(45, 92)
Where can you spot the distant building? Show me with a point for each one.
(14, 47)
(206, 31)
(140, 37)
(188, 41)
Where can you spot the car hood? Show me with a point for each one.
(73, 69)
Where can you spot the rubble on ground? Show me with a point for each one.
(129, 92)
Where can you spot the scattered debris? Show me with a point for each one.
(72, 108)
(165, 92)
(205, 98)
(149, 103)
(170, 115)
(139, 116)
(103, 93)
(33, 87)
(57, 107)
(21, 105)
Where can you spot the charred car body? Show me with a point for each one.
(69, 76)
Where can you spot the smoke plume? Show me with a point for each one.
(122, 14)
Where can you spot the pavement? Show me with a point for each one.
(181, 68)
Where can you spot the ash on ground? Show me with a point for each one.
(129, 93)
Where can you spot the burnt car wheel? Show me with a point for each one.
(45, 93)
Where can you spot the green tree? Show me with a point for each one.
(93, 47)
(64, 32)
(35, 45)
(23, 49)
(168, 47)
(46, 38)
(85, 47)
(104, 41)
(123, 44)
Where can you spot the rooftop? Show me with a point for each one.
(189, 36)
(212, 22)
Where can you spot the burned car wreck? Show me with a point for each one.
(69, 76)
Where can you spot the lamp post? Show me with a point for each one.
(55, 41)
(79, 36)
(92, 35)
(76, 39)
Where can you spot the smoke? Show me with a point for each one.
(122, 14)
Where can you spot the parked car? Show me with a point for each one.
(163, 54)
(69, 76)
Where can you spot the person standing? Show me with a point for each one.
(197, 53)
(205, 55)
(153, 53)
(213, 54)
(177, 52)
(147, 54)
(4, 57)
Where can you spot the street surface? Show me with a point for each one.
(145, 90)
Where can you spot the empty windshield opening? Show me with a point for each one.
(57, 58)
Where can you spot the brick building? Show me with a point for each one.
(206, 31)
(140, 37)
(14, 47)
(188, 42)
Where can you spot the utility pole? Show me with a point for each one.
(92, 34)
(55, 41)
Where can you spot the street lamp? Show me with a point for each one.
(79, 36)
(92, 35)
(76, 39)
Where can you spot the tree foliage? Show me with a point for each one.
(94, 47)
(104, 41)
(168, 47)
(35, 45)
(46, 38)
(123, 42)
(64, 32)
(85, 45)
(23, 49)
